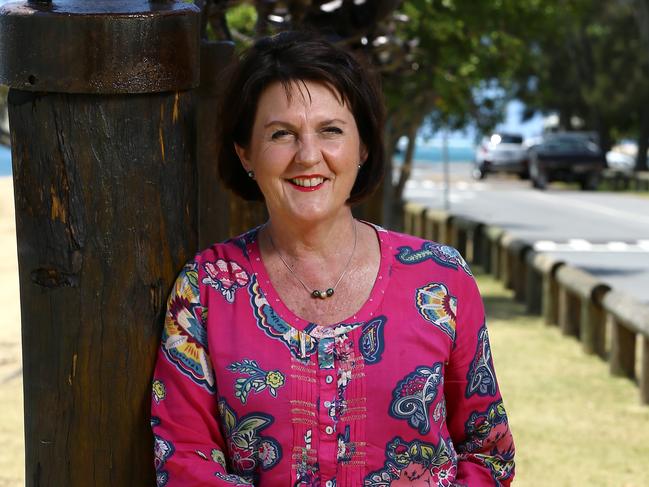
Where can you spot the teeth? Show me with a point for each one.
(307, 182)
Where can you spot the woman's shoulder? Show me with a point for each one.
(410, 250)
(235, 249)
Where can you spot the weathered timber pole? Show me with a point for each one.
(103, 145)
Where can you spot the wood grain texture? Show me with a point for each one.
(105, 192)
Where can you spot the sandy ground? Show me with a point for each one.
(12, 458)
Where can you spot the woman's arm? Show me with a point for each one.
(189, 446)
(477, 419)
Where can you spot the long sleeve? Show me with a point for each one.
(477, 420)
(189, 445)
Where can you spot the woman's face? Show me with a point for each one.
(304, 152)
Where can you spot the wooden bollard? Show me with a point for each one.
(437, 226)
(580, 308)
(629, 318)
(466, 234)
(103, 142)
(413, 221)
(515, 251)
(642, 180)
(511, 251)
(548, 266)
(533, 285)
(492, 249)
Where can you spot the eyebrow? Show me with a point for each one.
(288, 124)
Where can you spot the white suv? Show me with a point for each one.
(503, 153)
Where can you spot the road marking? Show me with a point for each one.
(618, 246)
(634, 217)
(581, 245)
(545, 245)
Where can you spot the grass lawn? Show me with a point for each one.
(573, 423)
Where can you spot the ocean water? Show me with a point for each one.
(428, 154)
(424, 154)
(5, 161)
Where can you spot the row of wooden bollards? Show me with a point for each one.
(607, 322)
(624, 180)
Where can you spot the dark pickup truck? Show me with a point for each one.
(566, 157)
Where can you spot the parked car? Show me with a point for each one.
(500, 153)
(571, 157)
(622, 156)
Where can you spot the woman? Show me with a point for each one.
(319, 349)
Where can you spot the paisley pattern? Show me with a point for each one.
(163, 449)
(184, 338)
(258, 380)
(488, 431)
(226, 277)
(441, 254)
(413, 396)
(233, 479)
(371, 342)
(436, 305)
(249, 451)
(481, 378)
(300, 344)
(346, 448)
(416, 461)
(274, 400)
(158, 390)
(308, 470)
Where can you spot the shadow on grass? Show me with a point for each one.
(503, 308)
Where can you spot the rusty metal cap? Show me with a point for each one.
(100, 46)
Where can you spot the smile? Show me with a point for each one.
(307, 183)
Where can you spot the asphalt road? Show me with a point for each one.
(606, 234)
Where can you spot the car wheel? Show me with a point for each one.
(538, 176)
(479, 173)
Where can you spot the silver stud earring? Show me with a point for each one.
(359, 165)
(251, 174)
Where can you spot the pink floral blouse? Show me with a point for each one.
(401, 393)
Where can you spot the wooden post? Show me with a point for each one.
(644, 371)
(622, 359)
(592, 328)
(533, 284)
(569, 312)
(493, 235)
(103, 143)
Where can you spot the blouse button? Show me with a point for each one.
(327, 404)
(329, 379)
(329, 430)
(329, 483)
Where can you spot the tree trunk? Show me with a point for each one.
(643, 141)
(406, 167)
(105, 217)
(103, 148)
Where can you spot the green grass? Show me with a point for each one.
(573, 423)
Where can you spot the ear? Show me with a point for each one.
(241, 152)
(363, 154)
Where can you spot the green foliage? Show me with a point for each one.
(242, 19)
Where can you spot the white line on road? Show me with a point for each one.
(634, 217)
(580, 245)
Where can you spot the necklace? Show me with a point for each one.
(316, 293)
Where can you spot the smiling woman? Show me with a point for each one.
(318, 350)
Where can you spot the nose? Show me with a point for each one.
(308, 150)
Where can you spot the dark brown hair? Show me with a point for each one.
(286, 58)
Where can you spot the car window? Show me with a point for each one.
(510, 139)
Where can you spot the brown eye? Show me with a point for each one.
(332, 130)
(280, 134)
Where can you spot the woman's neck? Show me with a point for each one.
(326, 239)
